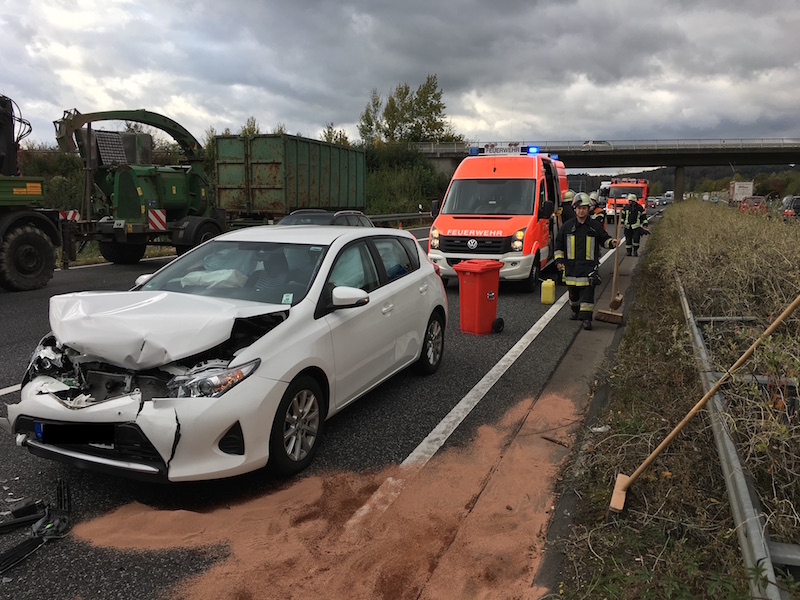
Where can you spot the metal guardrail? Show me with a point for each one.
(409, 217)
(751, 528)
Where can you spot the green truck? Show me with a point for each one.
(130, 203)
(28, 232)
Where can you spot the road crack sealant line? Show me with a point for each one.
(748, 518)
(391, 488)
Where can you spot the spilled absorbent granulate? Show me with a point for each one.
(468, 525)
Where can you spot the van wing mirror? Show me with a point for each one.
(546, 209)
(435, 208)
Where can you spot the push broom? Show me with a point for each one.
(610, 315)
(624, 481)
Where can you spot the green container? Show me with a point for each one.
(20, 191)
(271, 175)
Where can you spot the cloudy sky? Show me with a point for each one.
(527, 70)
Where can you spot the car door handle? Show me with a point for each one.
(387, 309)
(423, 288)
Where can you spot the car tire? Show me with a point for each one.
(432, 346)
(297, 428)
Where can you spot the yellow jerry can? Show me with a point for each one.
(548, 291)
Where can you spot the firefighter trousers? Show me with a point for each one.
(632, 237)
(581, 301)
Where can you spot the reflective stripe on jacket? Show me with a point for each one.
(633, 216)
(577, 246)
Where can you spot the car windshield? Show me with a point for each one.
(277, 273)
(490, 197)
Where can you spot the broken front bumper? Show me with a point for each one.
(168, 439)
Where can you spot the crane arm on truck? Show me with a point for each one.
(73, 120)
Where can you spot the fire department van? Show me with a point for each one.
(499, 206)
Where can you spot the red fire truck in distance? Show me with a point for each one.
(618, 195)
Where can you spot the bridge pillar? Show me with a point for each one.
(677, 184)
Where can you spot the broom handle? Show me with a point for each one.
(614, 284)
(789, 310)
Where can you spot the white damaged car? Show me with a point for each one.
(233, 355)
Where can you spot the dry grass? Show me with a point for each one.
(677, 538)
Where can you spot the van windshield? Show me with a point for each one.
(490, 197)
(622, 191)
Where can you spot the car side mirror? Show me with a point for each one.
(142, 279)
(348, 297)
(434, 208)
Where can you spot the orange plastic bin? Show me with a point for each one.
(478, 283)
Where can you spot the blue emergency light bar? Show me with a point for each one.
(531, 150)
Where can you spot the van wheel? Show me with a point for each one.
(529, 285)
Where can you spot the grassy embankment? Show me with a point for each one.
(676, 538)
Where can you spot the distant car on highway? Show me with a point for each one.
(754, 205)
(792, 210)
(653, 201)
(318, 216)
(597, 145)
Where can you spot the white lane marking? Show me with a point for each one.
(10, 389)
(391, 488)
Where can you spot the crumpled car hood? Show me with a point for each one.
(141, 330)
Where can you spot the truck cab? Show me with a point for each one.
(499, 207)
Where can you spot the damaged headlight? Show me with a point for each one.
(210, 381)
(49, 358)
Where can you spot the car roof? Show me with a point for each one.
(304, 234)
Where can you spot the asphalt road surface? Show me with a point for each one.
(379, 430)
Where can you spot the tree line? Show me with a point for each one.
(398, 177)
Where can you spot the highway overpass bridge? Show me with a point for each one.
(634, 153)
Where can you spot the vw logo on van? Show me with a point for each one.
(472, 243)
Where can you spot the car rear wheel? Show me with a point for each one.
(432, 346)
(297, 428)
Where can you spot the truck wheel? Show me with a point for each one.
(529, 285)
(27, 259)
(205, 232)
(122, 254)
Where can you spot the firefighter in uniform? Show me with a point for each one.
(577, 254)
(565, 210)
(633, 219)
(596, 211)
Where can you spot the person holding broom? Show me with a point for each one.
(577, 254)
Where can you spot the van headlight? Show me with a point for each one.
(434, 238)
(210, 381)
(517, 239)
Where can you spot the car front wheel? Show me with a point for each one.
(432, 346)
(297, 428)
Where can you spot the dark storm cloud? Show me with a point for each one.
(579, 69)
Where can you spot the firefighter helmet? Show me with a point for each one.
(631, 197)
(582, 199)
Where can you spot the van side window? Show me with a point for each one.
(395, 259)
